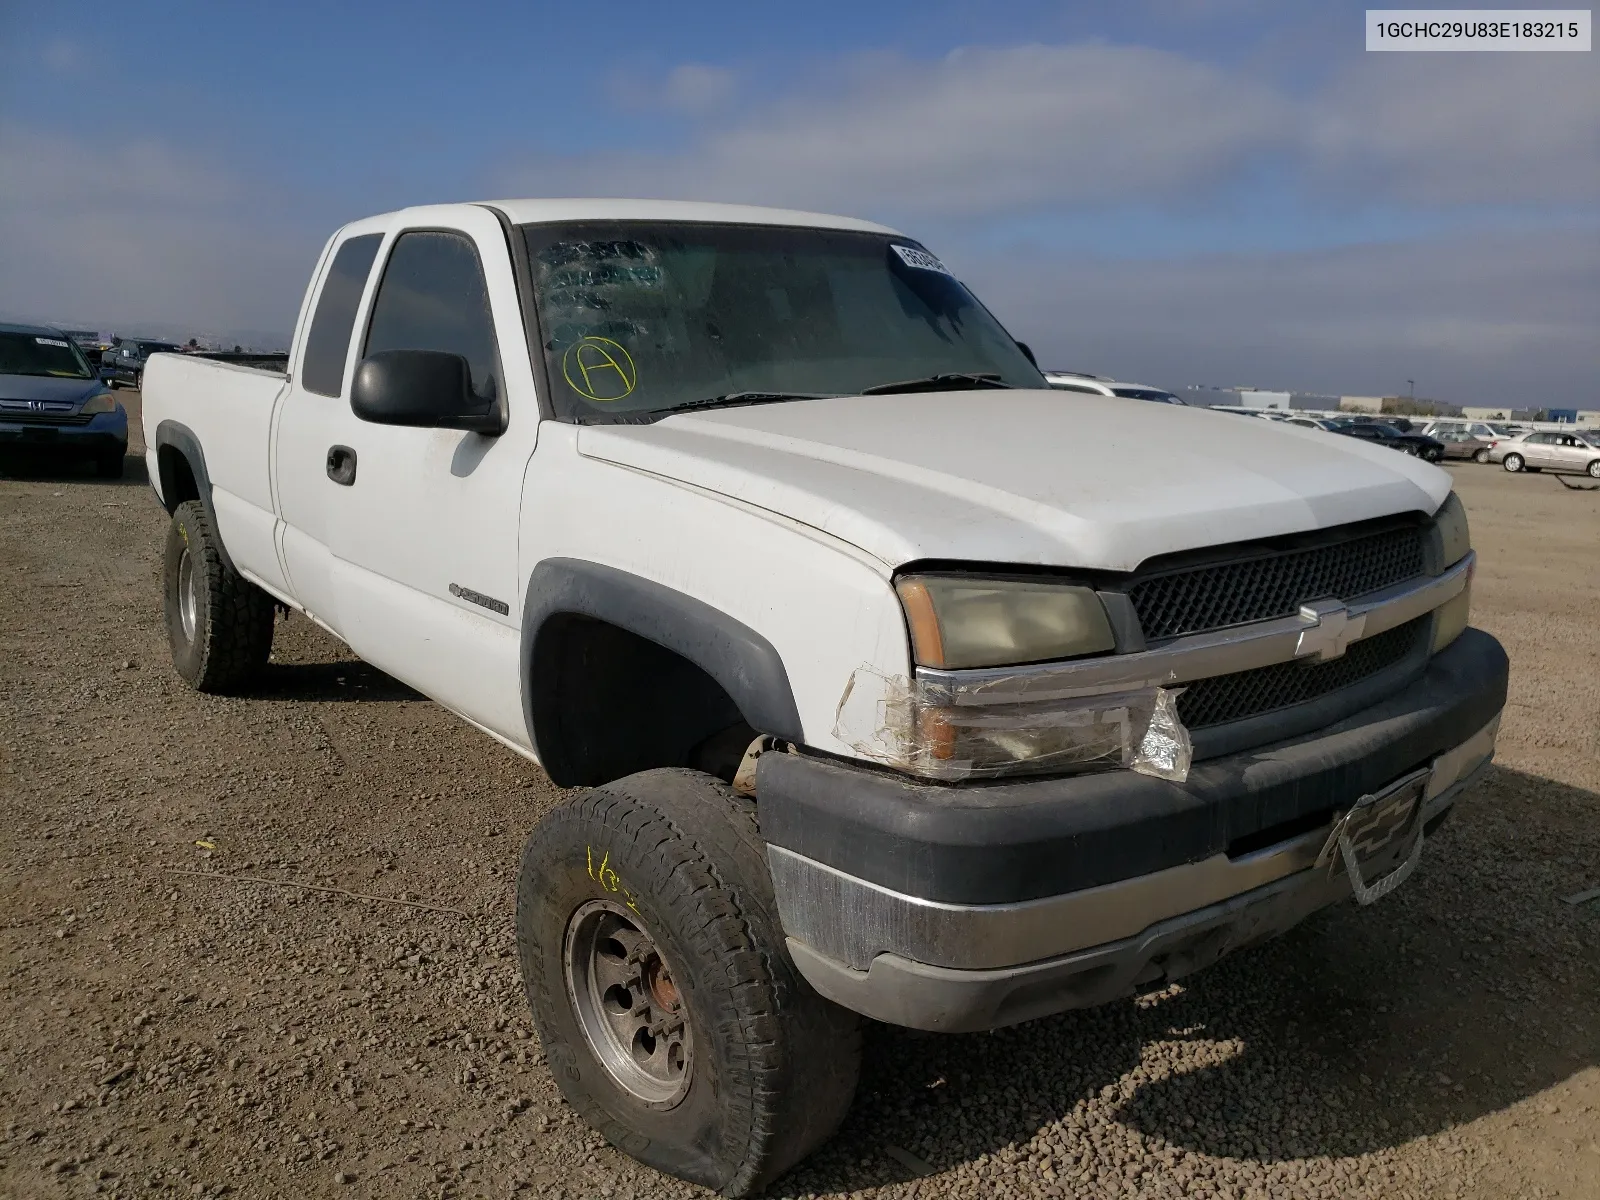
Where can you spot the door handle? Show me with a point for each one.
(342, 465)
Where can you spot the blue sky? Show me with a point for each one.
(1177, 191)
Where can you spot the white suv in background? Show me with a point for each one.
(1096, 385)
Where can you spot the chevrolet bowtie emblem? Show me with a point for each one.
(1331, 630)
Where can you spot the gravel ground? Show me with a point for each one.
(168, 1032)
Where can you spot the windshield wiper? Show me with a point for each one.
(960, 381)
(733, 399)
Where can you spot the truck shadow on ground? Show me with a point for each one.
(1470, 989)
(61, 467)
(350, 679)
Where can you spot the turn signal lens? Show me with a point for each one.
(1450, 618)
(1451, 522)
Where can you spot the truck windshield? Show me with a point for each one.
(643, 317)
(41, 354)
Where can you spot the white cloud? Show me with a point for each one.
(1443, 129)
(969, 142)
(698, 88)
(146, 234)
(1495, 319)
(979, 133)
(62, 55)
(988, 132)
(695, 90)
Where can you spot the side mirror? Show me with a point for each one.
(426, 388)
(1027, 351)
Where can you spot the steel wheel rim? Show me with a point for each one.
(188, 595)
(628, 1008)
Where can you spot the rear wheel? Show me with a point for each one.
(1513, 463)
(670, 1012)
(1480, 456)
(219, 624)
(1594, 469)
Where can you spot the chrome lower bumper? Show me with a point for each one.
(980, 966)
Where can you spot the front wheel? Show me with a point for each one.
(1513, 463)
(670, 1012)
(219, 624)
(1480, 456)
(1594, 469)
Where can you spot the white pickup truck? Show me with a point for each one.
(899, 684)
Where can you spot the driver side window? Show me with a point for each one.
(433, 297)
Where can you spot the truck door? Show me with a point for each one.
(424, 539)
(311, 417)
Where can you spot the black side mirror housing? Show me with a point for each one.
(1027, 350)
(427, 388)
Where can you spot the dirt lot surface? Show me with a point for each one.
(167, 1032)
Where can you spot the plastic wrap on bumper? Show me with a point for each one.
(898, 723)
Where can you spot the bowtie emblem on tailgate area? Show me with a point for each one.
(1331, 632)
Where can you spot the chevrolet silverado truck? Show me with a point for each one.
(893, 683)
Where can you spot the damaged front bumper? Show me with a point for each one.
(962, 908)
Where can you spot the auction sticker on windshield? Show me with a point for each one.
(920, 259)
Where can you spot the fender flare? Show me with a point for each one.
(746, 665)
(183, 440)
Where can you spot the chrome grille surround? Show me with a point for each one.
(1194, 657)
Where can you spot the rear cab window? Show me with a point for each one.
(328, 343)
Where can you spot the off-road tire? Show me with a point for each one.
(774, 1065)
(232, 619)
(110, 465)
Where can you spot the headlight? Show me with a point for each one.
(1451, 522)
(958, 622)
(100, 402)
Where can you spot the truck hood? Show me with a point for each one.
(1093, 482)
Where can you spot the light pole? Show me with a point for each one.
(1411, 384)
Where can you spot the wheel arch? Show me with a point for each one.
(181, 472)
(658, 668)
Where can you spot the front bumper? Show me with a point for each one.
(976, 907)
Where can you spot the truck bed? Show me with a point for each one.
(227, 410)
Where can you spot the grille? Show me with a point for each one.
(1194, 599)
(20, 414)
(33, 418)
(1224, 698)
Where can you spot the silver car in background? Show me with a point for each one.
(1575, 453)
(1459, 443)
